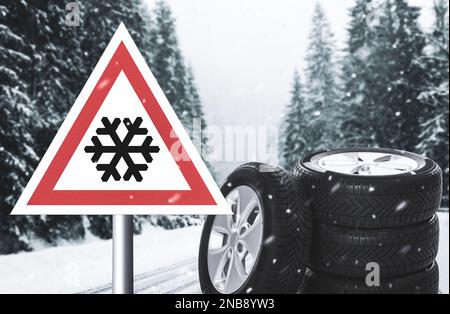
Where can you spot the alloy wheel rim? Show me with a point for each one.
(235, 241)
(368, 163)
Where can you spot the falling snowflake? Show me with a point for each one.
(269, 240)
(335, 188)
(121, 149)
(405, 249)
(401, 206)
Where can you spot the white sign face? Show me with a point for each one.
(121, 150)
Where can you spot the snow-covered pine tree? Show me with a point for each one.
(397, 75)
(55, 81)
(197, 115)
(435, 96)
(181, 84)
(17, 121)
(167, 65)
(358, 123)
(322, 110)
(294, 126)
(101, 20)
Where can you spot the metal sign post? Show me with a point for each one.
(122, 254)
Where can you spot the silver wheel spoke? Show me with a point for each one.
(251, 238)
(395, 166)
(247, 211)
(356, 157)
(382, 170)
(238, 208)
(220, 260)
(367, 157)
(222, 224)
(404, 164)
(236, 271)
(355, 170)
(230, 267)
(238, 264)
(343, 159)
(385, 158)
(216, 256)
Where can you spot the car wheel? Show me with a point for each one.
(370, 187)
(264, 246)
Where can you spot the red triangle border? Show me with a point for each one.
(45, 194)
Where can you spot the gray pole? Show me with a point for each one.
(122, 254)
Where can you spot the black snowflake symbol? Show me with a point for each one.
(121, 149)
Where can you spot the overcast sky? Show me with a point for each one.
(244, 52)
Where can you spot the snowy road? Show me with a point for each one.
(178, 278)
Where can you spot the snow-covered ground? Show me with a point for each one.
(77, 268)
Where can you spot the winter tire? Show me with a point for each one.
(398, 252)
(422, 282)
(370, 187)
(264, 246)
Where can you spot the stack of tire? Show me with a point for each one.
(372, 232)
(349, 221)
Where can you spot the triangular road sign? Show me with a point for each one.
(121, 150)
